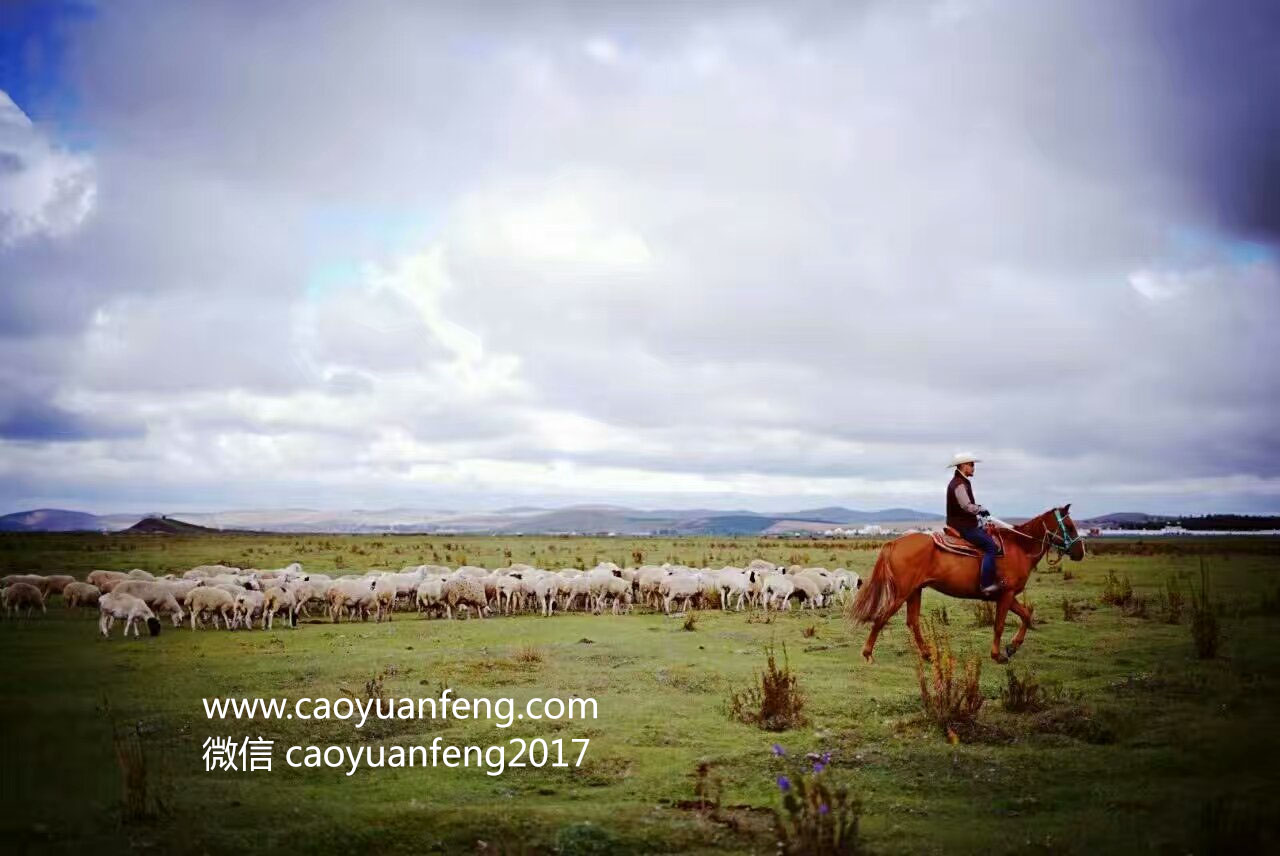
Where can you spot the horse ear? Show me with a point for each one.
(1066, 509)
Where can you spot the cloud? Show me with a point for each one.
(44, 189)
(724, 255)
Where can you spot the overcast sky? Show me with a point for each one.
(662, 254)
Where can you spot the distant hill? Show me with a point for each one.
(168, 526)
(49, 520)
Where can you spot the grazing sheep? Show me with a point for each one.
(212, 600)
(683, 587)
(806, 590)
(472, 571)
(777, 591)
(355, 597)
(464, 591)
(618, 594)
(157, 594)
(384, 596)
(18, 595)
(734, 586)
(647, 580)
(139, 574)
(202, 571)
(35, 580)
(430, 594)
(305, 592)
(115, 605)
(106, 580)
(545, 589)
(579, 587)
(249, 605)
(57, 583)
(276, 601)
(80, 594)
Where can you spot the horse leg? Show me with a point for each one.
(1024, 613)
(1002, 612)
(913, 621)
(869, 647)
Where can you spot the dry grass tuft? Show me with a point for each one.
(775, 703)
(950, 699)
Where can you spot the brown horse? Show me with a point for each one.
(908, 565)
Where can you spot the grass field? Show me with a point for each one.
(1148, 748)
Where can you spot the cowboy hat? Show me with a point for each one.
(963, 458)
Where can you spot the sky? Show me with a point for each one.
(722, 255)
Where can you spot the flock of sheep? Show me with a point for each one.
(234, 597)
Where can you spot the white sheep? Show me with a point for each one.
(133, 610)
(353, 596)
(464, 591)
(384, 596)
(106, 580)
(80, 594)
(19, 595)
(249, 605)
(212, 600)
(777, 591)
(139, 574)
(157, 594)
(275, 601)
(430, 594)
(680, 586)
(57, 583)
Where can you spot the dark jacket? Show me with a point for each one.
(962, 510)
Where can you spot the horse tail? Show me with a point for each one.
(877, 595)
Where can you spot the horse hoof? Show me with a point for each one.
(1000, 658)
(866, 655)
(926, 658)
(1010, 650)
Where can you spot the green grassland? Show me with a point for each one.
(1153, 750)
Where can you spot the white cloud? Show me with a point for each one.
(44, 189)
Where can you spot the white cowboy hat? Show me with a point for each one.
(963, 458)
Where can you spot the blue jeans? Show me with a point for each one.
(978, 537)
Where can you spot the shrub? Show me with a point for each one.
(1022, 694)
(585, 839)
(939, 614)
(1173, 601)
(816, 819)
(690, 621)
(142, 796)
(1070, 612)
(1134, 607)
(984, 614)
(529, 654)
(810, 631)
(1116, 591)
(950, 700)
(1204, 624)
(1067, 573)
(776, 702)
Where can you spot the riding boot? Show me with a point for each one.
(988, 585)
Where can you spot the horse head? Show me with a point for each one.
(1062, 532)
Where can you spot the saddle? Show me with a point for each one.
(953, 542)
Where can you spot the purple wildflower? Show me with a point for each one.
(784, 784)
(819, 767)
(778, 750)
(823, 809)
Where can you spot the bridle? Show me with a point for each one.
(1062, 540)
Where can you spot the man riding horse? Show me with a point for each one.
(919, 560)
(965, 516)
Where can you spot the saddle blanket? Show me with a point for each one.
(950, 540)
